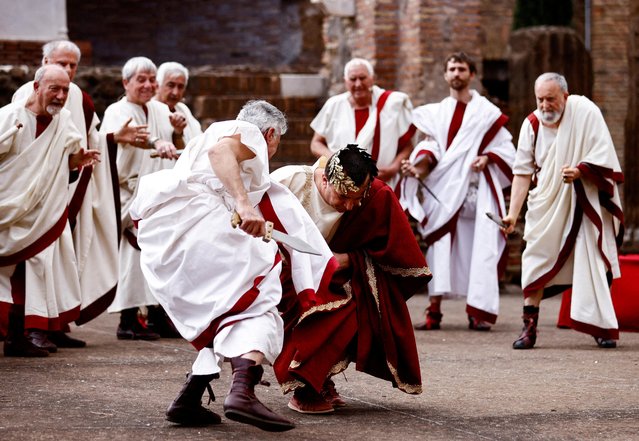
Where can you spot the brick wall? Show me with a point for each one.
(610, 39)
(20, 52)
(196, 33)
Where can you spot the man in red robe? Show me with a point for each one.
(364, 318)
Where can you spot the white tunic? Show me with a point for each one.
(134, 163)
(582, 138)
(34, 179)
(95, 236)
(336, 123)
(214, 281)
(461, 265)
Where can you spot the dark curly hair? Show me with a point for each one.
(358, 164)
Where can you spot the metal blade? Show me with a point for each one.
(294, 242)
(493, 217)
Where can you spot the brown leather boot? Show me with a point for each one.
(528, 335)
(242, 405)
(187, 408)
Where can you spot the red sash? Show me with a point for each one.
(376, 138)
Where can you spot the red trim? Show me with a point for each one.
(564, 253)
(88, 108)
(481, 314)
(245, 300)
(456, 122)
(406, 137)
(376, 138)
(306, 297)
(594, 330)
(51, 323)
(492, 132)
(591, 214)
(499, 162)
(131, 238)
(448, 227)
(96, 308)
(40, 244)
(361, 116)
(78, 195)
(534, 122)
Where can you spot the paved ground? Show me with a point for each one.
(476, 388)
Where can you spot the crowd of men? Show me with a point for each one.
(132, 217)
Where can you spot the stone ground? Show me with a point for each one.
(475, 388)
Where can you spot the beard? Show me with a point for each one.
(550, 117)
(53, 109)
(458, 84)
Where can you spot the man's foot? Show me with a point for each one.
(21, 347)
(606, 343)
(478, 325)
(243, 406)
(330, 394)
(136, 331)
(63, 340)
(187, 408)
(306, 400)
(40, 339)
(433, 320)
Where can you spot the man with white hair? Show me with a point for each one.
(219, 284)
(138, 78)
(377, 120)
(172, 79)
(39, 148)
(94, 202)
(574, 221)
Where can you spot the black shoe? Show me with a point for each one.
(187, 409)
(136, 332)
(64, 340)
(606, 343)
(21, 347)
(477, 324)
(41, 340)
(157, 321)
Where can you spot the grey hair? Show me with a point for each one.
(171, 68)
(39, 74)
(359, 62)
(137, 64)
(55, 45)
(264, 115)
(553, 76)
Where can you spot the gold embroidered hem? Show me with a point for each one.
(290, 386)
(330, 305)
(413, 389)
(338, 367)
(407, 272)
(372, 280)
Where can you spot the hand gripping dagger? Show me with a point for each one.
(278, 236)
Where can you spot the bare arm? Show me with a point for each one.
(319, 146)
(521, 184)
(225, 158)
(387, 173)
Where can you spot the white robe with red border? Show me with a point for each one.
(461, 265)
(34, 180)
(582, 140)
(134, 163)
(216, 282)
(336, 123)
